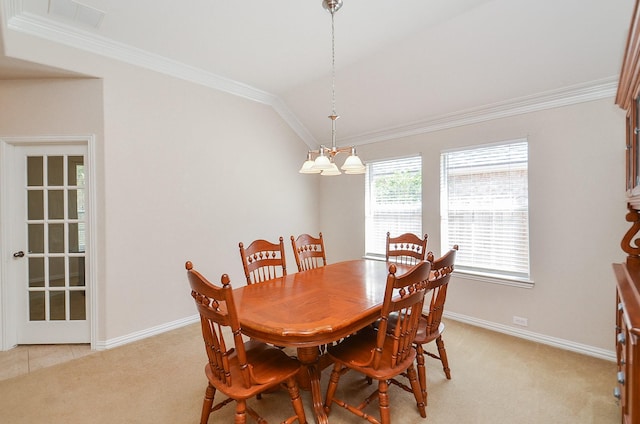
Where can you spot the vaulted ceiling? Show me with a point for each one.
(402, 66)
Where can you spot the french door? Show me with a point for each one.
(49, 239)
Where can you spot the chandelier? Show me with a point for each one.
(322, 160)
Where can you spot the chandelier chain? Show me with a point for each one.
(333, 65)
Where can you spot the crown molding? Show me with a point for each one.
(35, 25)
(28, 23)
(593, 90)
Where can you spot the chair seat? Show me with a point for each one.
(269, 366)
(356, 352)
(422, 337)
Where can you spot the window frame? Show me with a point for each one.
(368, 209)
(488, 274)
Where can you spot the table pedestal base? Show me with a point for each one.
(308, 357)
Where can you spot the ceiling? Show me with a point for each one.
(399, 64)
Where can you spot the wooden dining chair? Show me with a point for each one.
(308, 251)
(388, 352)
(238, 369)
(431, 326)
(263, 260)
(406, 248)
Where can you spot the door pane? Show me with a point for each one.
(76, 271)
(75, 199)
(56, 272)
(56, 204)
(36, 306)
(36, 272)
(56, 238)
(77, 304)
(76, 238)
(57, 305)
(35, 204)
(76, 171)
(55, 171)
(34, 171)
(36, 238)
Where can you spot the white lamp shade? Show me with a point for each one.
(307, 168)
(355, 171)
(322, 162)
(353, 163)
(332, 170)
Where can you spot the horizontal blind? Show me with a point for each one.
(485, 208)
(393, 201)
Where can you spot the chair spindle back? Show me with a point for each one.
(263, 260)
(407, 248)
(308, 251)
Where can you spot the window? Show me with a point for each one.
(393, 201)
(484, 208)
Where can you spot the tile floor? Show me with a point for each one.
(27, 358)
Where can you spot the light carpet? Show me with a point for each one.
(496, 379)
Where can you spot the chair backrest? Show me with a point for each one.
(263, 260)
(441, 270)
(308, 251)
(218, 318)
(403, 300)
(407, 248)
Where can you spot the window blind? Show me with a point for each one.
(393, 201)
(484, 208)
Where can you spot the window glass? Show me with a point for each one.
(485, 208)
(393, 201)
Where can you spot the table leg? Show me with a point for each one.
(308, 357)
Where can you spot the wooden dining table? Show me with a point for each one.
(312, 308)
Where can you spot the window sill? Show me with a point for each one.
(494, 279)
(480, 277)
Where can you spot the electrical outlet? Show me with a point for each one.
(520, 321)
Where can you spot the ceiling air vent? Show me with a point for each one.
(76, 12)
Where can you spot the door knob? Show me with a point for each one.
(19, 254)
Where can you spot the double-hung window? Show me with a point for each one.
(393, 201)
(484, 209)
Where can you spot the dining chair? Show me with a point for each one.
(308, 251)
(431, 327)
(406, 248)
(388, 352)
(238, 369)
(263, 260)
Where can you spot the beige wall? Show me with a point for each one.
(184, 173)
(171, 188)
(577, 208)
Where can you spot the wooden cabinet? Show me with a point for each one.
(628, 274)
(627, 341)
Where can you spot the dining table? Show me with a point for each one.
(313, 308)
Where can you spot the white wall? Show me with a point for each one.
(577, 208)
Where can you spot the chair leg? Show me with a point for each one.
(383, 401)
(241, 412)
(209, 394)
(417, 391)
(443, 357)
(422, 371)
(296, 400)
(331, 388)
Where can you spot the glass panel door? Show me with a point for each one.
(56, 238)
(50, 252)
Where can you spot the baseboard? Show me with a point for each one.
(608, 355)
(149, 332)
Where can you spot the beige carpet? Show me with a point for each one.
(496, 379)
